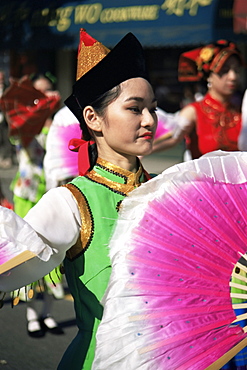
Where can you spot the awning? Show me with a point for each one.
(157, 23)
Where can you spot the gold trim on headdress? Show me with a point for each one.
(205, 56)
(89, 55)
(196, 64)
(100, 72)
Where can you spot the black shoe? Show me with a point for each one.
(49, 324)
(34, 329)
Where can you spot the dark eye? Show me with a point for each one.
(153, 110)
(134, 109)
(223, 71)
(237, 70)
(226, 70)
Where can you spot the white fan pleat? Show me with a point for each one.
(174, 250)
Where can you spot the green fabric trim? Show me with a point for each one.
(88, 275)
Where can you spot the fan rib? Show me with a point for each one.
(240, 317)
(172, 217)
(239, 305)
(228, 356)
(238, 295)
(209, 352)
(175, 290)
(239, 277)
(169, 246)
(216, 204)
(183, 311)
(178, 337)
(238, 286)
(242, 267)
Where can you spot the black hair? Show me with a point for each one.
(47, 76)
(99, 105)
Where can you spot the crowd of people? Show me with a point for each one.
(68, 201)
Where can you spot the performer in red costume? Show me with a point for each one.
(215, 122)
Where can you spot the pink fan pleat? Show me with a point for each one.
(168, 304)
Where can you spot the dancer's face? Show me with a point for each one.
(129, 123)
(226, 81)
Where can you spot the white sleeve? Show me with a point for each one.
(242, 139)
(167, 120)
(49, 229)
(183, 126)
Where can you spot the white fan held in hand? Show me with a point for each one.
(174, 255)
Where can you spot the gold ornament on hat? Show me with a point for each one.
(90, 53)
(205, 56)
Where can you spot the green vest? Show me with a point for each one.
(87, 265)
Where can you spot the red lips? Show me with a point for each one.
(147, 135)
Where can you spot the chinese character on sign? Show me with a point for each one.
(178, 7)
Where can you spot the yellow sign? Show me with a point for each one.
(92, 13)
(178, 7)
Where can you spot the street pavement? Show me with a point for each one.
(18, 351)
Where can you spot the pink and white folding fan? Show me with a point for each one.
(60, 163)
(174, 252)
(24, 256)
(166, 125)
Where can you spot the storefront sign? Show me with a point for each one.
(156, 23)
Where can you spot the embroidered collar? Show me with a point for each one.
(217, 105)
(115, 177)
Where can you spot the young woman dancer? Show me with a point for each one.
(115, 105)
